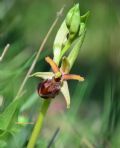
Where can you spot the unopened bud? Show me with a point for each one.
(73, 20)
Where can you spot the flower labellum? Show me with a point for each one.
(49, 88)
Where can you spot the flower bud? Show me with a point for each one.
(73, 20)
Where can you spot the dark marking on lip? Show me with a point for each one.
(49, 88)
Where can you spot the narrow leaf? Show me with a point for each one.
(59, 42)
(75, 50)
(85, 17)
(8, 115)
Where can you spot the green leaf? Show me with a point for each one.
(84, 17)
(28, 63)
(59, 42)
(7, 117)
(3, 144)
(78, 43)
(66, 94)
(29, 103)
(43, 75)
(82, 30)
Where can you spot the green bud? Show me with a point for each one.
(73, 20)
(69, 17)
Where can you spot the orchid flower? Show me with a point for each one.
(56, 81)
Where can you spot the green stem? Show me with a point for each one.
(38, 125)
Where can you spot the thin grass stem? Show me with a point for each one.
(38, 125)
(38, 54)
(4, 52)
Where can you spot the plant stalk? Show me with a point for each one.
(38, 125)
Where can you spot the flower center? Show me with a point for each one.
(58, 75)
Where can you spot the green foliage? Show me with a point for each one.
(8, 115)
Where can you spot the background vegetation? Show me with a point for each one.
(93, 120)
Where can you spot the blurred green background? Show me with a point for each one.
(93, 120)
